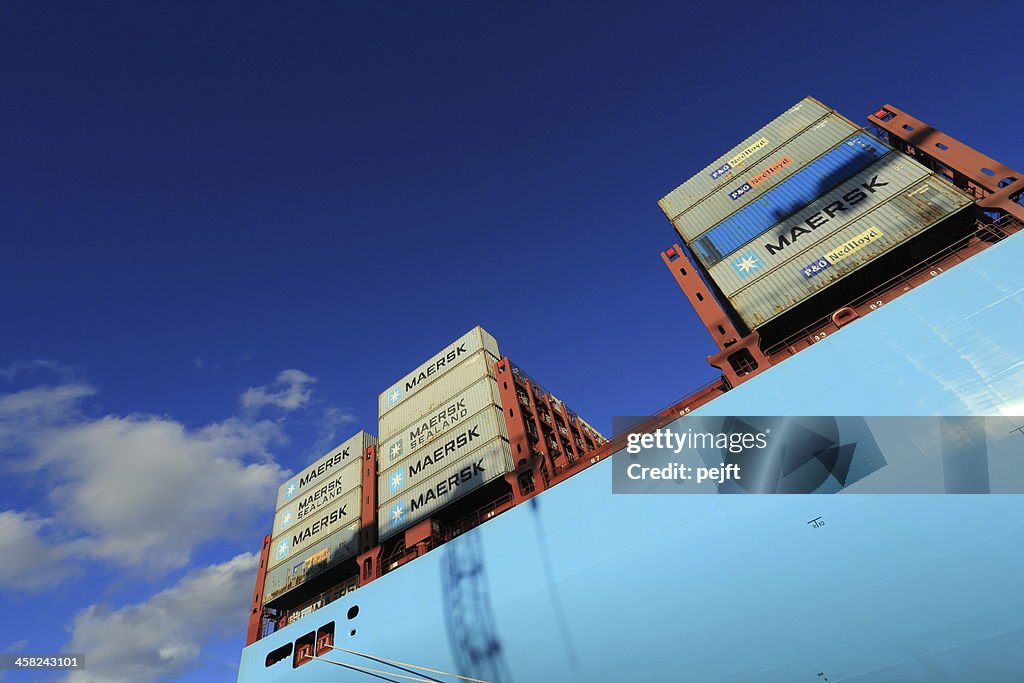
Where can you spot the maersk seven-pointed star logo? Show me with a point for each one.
(286, 518)
(394, 396)
(397, 514)
(397, 481)
(290, 491)
(282, 548)
(747, 263)
(395, 452)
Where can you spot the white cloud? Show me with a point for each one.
(333, 421)
(24, 414)
(290, 391)
(136, 491)
(45, 401)
(162, 638)
(51, 367)
(145, 491)
(30, 563)
(141, 492)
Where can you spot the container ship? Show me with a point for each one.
(841, 270)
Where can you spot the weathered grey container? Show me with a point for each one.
(479, 467)
(453, 444)
(426, 401)
(314, 499)
(762, 176)
(449, 413)
(743, 156)
(908, 214)
(339, 546)
(315, 528)
(882, 181)
(339, 456)
(436, 367)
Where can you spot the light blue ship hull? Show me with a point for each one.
(583, 585)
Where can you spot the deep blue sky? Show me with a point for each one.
(194, 197)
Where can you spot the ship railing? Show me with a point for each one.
(395, 558)
(518, 373)
(401, 555)
(478, 517)
(994, 230)
(285, 617)
(688, 402)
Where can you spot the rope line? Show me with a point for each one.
(376, 673)
(396, 666)
(395, 662)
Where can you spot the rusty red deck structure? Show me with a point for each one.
(550, 443)
(546, 438)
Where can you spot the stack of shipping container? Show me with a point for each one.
(800, 204)
(316, 526)
(442, 433)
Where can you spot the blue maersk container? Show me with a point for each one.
(842, 162)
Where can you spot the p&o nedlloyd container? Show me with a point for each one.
(758, 178)
(862, 193)
(743, 156)
(825, 261)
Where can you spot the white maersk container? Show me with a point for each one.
(823, 262)
(332, 486)
(316, 528)
(446, 415)
(436, 367)
(449, 446)
(483, 465)
(743, 156)
(429, 399)
(349, 451)
(339, 546)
